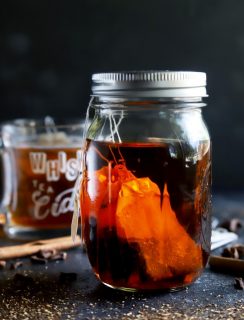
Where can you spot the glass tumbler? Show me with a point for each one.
(40, 163)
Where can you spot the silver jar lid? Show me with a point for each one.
(150, 84)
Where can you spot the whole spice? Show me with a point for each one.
(239, 284)
(38, 260)
(16, 265)
(230, 261)
(226, 265)
(236, 252)
(31, 248)
(232, 225)
(2, 264)
(43, 256)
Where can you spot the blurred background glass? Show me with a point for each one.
(41, 162)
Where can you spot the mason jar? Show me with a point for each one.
(145, 191)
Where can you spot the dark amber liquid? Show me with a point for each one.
(42, 187)
(145, 213)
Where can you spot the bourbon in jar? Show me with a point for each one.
(146, 213)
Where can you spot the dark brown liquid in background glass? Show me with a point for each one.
(146, 243)
(54, 205)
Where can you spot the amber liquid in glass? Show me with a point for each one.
(145, 213)
(42, 187)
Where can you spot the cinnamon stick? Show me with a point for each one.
(30, 248)
(226, 265)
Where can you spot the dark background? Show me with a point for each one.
(50, 48)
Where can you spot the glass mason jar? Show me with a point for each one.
(145, 191)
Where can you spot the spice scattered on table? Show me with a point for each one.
(16, 265)
(236, 252)
(38, 260)
(2, 264)
(239, 284)
(43, 256)
(232, 225)
(230, 261)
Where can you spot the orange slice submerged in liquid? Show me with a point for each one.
(117, 198)
(164, 244)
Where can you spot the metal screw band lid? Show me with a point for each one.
(165, 84)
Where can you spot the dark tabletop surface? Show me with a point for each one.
(46, 294)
